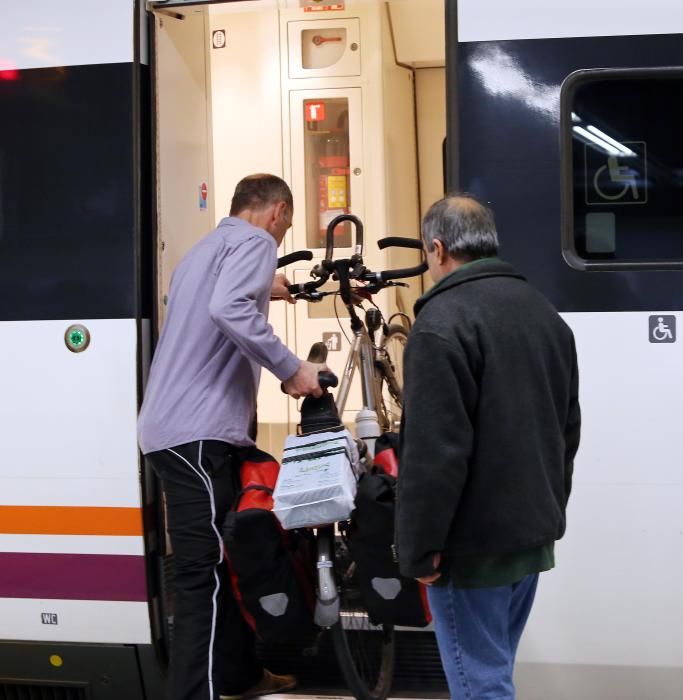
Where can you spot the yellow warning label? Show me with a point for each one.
(336, 191)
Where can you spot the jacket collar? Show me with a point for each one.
(469, 272)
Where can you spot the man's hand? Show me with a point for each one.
(305, 380)
(279, 289)
(429, 580)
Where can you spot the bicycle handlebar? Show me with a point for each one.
(329, 240)
(399, 242)
(396, 274)
(353, 268)
(296, 256)
(303, 287)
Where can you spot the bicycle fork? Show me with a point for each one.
(327, 602)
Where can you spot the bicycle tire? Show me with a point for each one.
(365, 652)
(390, 360)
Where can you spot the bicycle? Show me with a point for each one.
(377, 347)
(365, 652)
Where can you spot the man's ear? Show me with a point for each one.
(279, 210)
(440, 251)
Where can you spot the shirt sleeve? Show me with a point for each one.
(244, 279)
(440, 392)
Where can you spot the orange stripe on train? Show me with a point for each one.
(69, 520)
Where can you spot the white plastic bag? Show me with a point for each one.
(317, 480)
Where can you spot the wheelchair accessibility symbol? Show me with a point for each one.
(617, 179)
(662, 329)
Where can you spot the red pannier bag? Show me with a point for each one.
(270, 569)
(389, 597)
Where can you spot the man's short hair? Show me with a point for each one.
(464, 225)
(259, 191)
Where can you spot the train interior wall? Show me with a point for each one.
(224, 110)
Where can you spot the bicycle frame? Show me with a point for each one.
(367, 353)
(361, 355)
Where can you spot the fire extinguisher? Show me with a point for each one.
(333, 181)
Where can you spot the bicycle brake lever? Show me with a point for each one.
(313, 297)
(357, 270)
(318, 271)
(373, 288)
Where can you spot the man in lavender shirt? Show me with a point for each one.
(197, 417)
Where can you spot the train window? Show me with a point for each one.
(65, 163)
(622, 168)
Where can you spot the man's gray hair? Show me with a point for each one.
(259, 191)
(464, 225)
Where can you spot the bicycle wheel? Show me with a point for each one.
(365, 652)
(389, 372)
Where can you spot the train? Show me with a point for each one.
(123, 127)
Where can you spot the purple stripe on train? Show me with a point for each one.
(72, 576)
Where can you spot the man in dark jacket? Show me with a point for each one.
(491, 425)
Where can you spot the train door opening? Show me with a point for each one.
(346, 103)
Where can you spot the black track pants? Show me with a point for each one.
(213, 651)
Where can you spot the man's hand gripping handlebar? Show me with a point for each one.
(313, 377)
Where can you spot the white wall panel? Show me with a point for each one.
(616, 587)
(419, 32)
(617, 583)
(430, 87)
(57, 490)
(44, 33)
(183, 140)
(245, 99)
(401, 169)
(93, 621)
(246, 119)
(72, 544)
(489, 20)
(68, 420)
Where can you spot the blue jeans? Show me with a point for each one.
(478, 631)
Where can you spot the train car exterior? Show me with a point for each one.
(565, 117)
(74, 310)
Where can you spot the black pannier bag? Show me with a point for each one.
(270, 574)
(389, 597)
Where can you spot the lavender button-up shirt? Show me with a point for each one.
(206, 369)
